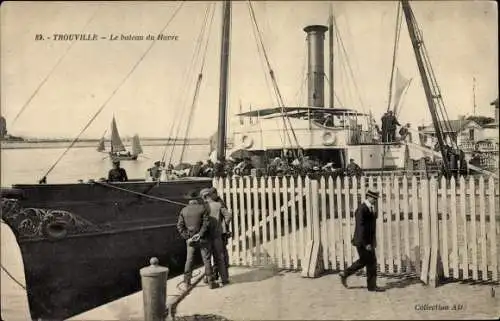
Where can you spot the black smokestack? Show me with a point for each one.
(316, 65)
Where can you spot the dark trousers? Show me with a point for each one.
(385, 135)
(225, 238)
(368, 259)
(391, 135)
(206, 255)
(219, 259)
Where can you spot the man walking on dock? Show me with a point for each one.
(193, 225)
(365, 241)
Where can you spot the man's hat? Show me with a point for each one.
(204, 192)
(116, 162)
(192, 195)
(372, 194)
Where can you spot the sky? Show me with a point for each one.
(153, 99)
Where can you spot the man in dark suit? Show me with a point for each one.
(193, 225)
(365, 241)
(117, 174)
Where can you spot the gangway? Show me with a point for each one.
(433, 152)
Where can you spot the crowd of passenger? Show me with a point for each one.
(278, 166)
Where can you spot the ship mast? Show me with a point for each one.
(417, 43)
(330, 40)
(224, 69)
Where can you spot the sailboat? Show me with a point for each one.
(83, 244)
(118, 152)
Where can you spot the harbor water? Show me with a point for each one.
(29, 165)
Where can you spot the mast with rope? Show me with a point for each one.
(428, 81)
(224, 71)
(330, 41)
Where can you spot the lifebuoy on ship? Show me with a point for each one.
(246, 141)
(329, 138)
(54, 230)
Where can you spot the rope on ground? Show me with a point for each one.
(134, 67)
(161, 199)
(178, 286)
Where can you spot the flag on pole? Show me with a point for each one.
(241, 110)
(401, 84)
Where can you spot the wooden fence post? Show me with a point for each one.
(313, 255)
(424, 189)
(436, 267)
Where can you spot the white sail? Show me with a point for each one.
(136, 145)
(400, 86)
(116, 141)
(101, 147)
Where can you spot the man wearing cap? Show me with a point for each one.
(155, 171)
(218, 216)
(353, 169)
(365, 241)
(117, 174)
(193, 225)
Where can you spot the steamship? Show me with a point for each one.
(83, 244)
(327, 134)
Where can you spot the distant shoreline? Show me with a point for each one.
(84, 143)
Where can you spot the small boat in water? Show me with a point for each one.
(118, 152)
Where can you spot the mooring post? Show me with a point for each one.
(154, 290)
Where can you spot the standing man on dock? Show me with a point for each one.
(365, 241)
(218, 216)
(193, 225)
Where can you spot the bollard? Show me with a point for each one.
(154, 290)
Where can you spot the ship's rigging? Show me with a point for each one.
(288, 136)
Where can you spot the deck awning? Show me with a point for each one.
(296, 110)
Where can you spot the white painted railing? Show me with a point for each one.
(419, 222)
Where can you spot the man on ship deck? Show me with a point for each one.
(117, 174)
(154, 172)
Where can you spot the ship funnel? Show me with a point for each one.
(316, 65)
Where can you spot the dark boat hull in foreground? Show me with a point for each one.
(84, 244)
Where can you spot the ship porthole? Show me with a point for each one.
(246, 141)
(55, 230)
(328, 139)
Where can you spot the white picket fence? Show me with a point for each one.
(421, 222)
